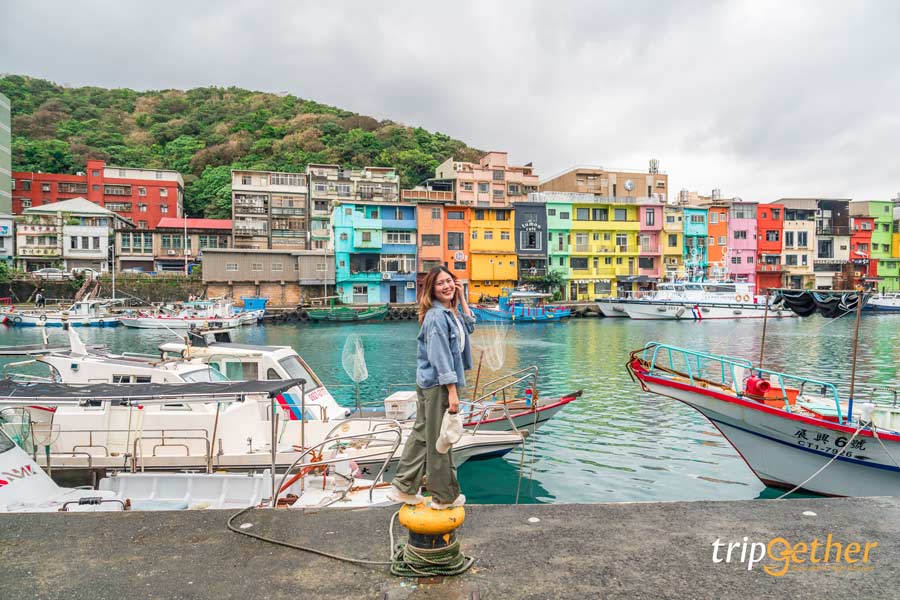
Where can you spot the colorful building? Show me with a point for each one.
(375, 251)
(457, 246)
(673, 242)
(650, 246)
(494, 262)
(559, 223)
(530, 237)
(771, 239)
(7, 238)
(718, 257)
(886, 267)
(742, 239)
(799, 248)
(696, 233)
(5, 156)
(143, 196)
(865, 269)
(491, 182)
(431, 205)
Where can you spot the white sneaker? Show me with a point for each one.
(460, 501)
(397, 495)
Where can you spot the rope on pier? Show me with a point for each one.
(421, 562)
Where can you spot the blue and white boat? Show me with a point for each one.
(883, 303)
(520, 306)
(83, 313)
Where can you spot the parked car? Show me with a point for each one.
(85, 272)
(134, 271)
(51, 274)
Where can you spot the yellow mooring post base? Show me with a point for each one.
(432, 548)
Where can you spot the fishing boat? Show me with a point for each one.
(345, 313)
(216, 314)
(521, 306)
(84, 313)
(698, 301)
(793, 432)
(883, 303)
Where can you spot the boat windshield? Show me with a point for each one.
(297, 370)
(208, 374)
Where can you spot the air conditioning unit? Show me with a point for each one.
(171, 253)
(410, 285)
(386, 275)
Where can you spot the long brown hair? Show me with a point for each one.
(426, 300)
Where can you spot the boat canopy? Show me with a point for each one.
(12, 392)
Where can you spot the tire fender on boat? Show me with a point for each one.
(404, 314)
(304, 316)
(42, 318)
(679, 312)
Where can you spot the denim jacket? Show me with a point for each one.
(439, 359)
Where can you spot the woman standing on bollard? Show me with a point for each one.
(442, 356)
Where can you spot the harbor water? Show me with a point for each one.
(613, 444)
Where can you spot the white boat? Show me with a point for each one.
(109, 435)
(196, 314)
(791, 431)
(696, 301)
(883, 303)
(84, 313)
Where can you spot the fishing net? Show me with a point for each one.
(489, 345)
(353, 359)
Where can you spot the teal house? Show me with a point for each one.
(375, 252)
(696, 232)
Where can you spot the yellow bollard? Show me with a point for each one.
(432, 547)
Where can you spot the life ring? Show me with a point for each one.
(42, 318)
(737, 298)
(17, 319)
(746, 297)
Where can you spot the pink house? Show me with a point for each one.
(742, 241)
(489, 182)
(649, 248)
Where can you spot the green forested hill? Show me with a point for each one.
(204, 133)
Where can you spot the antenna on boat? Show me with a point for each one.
(762, 343)
(859, 303)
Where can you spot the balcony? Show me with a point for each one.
(426, 195)
(250, 210)
(117, 190)
(250, 231)
(825, 229)
(320, 234)
(764, 268)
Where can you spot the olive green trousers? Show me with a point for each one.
(420, 457)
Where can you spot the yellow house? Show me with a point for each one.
(604, 248)
(493, 252)
(672, 242)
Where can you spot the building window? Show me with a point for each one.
(256, 267)
(697, 219)
(551, 212)
(501, 215)
(482, 188)
(772, 235)
(645, 262)
(673, 240)
(343, 189)
(96, 243)
(713, 218)
(164, 208)
(529, 240)
(498, 175)
(735, 260)
(620, 214)
(366, 236)
(459, 266)
(360, 290)
(504, 235)
(582, 214)
(142, 207)
(474, 234)
(399, 237)
(45, 187)
(231, 266)
(455, 241)
(564, 215)
(246, 180)
(488, 234)
(343, 236)
(431, 239)
(578, 262)
(622, 240)
(479, 215)
(776, 214)
(163, 193)
(498, 194)
(790, 260)
(277, 266)
(467, 186)
(321, 267)
(455, 215)
(607, 260)
(142, 224)
(142, 191)
(26, 203)
(435, 213)
(712, 241)
(740, 234)
(723, 240)
(74, 242)
(651, 217)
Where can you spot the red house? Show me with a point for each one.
(143, 196)
(769, 240)
(865, 268)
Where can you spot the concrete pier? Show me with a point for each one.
(638, 550)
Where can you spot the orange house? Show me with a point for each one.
(456, 243)
(717, 247)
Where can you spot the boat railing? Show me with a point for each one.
(727, 372)
(373, 424)
(521, 375)
(367, 437)
(171, 440)
(483, 411)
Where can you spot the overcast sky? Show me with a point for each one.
(761, 99)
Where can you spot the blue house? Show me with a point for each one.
(696, 232)
(375, 252)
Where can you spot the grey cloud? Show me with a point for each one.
(762, 99)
